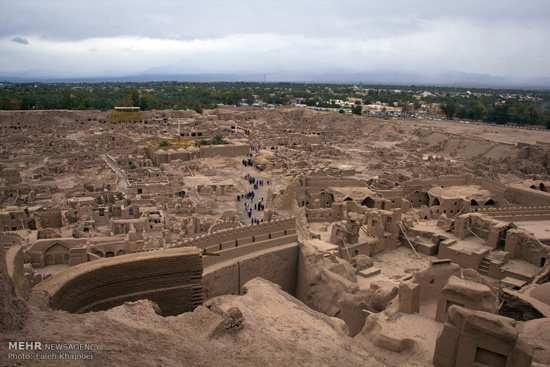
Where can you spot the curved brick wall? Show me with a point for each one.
(172, 278)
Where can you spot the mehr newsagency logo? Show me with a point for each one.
(34, 350)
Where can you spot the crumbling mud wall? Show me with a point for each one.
(522, 245)
(318, 286)
(171, 278)
(14, 261)
(12, 309)
(472, 338)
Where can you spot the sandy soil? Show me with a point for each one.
(277, 330)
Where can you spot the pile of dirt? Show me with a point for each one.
(265, 326)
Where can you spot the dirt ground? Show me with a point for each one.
(276, 329)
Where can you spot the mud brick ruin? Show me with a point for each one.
(364, 241)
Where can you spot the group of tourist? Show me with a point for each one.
(248, 161)
(260, 205)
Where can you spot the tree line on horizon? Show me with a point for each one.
(488, 105)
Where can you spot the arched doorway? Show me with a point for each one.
(473, 202)
(419, 198)
(435, 202)
(368, 202)
(490, 202)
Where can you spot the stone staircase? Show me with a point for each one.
(484, 266)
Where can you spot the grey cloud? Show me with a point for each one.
(491, 36)
(214, 19)
(20, 40)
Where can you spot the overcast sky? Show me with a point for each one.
(114, 38)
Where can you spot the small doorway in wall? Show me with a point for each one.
(368, 202)
(485, 357)
(542, 261)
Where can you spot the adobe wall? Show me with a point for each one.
(171, 278)
(40, 255)
(445, 181)
(329, 181)
(526, 196)
(14, 261)
(447, 206)
(160, 156)
(278, 264)
(432, 280)
(225, 150)
(518, 214)
(281, 231)
(453, 180)
(521, 245)
(325, 214)
(10, 238)
(477, 338)
(12, 309)
(494, 187)
(466, 259)
(268, 250)
(463, 293)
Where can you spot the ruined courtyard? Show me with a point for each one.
(246, 236)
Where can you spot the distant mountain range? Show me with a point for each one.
(458, 79)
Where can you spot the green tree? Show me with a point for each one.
(66, 100)
(448, 109)
(357, 109)
(218, 139)
(501, 114)
(311, 102)
(125, 101)
(26, 103)
(134, 95)
(203, 142)
(5, 102)
(148, 102)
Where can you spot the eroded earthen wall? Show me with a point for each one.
(171, 278)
